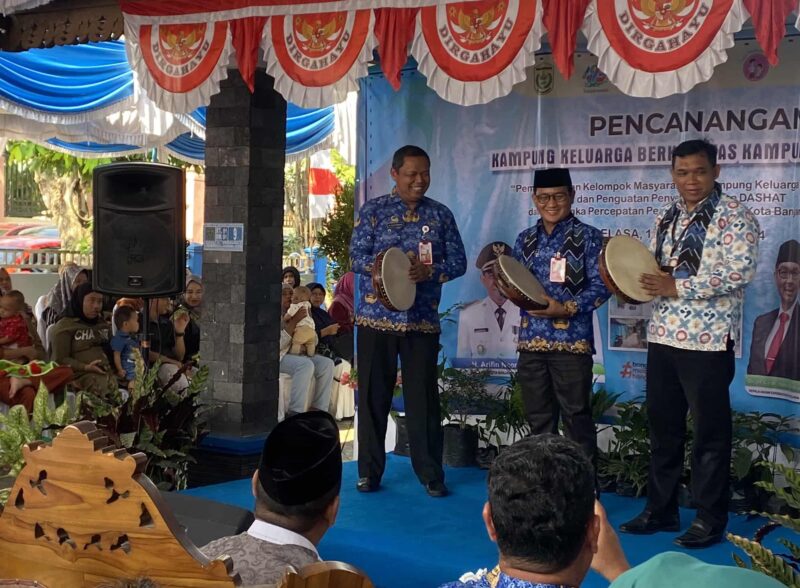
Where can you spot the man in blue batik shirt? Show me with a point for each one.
(426, 231)
(556, 344)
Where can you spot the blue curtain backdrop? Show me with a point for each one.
(75, 84)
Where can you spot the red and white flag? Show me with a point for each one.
(322, 184)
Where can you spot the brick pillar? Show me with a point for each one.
(245, 154)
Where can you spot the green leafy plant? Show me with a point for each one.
(756, 443)
(505, 420)
(462, 393)
(157, 420)
(782, 566)
(17, 430)
(628, 458)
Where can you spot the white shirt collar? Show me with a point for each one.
(790, 312)
(278, 535)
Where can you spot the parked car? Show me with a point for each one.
(29, 239)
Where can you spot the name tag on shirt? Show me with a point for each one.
(426, 252)
(558, 270)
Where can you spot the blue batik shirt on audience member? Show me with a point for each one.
(386, 222)
(534, 248)
(495, 579)
(124, 343)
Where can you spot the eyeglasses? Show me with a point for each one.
(789, 274)
(559, 197)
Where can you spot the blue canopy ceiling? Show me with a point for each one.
(83, 99)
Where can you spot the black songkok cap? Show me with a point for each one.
(491, 252)
(302, 459)
(789, 251)
(554, 177)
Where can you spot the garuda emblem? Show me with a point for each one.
(476, 25)
(662, 16)
(318, 34)
(179, 43)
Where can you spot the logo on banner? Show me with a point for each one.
(755, 67)
(180, 57)
(661, 35)
(473, 41)
(319, 49)
(543, 77)
(594, 78)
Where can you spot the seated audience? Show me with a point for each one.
(13, 325)
(57, 303)
(304, 337)
(21, 389)
(167, 341)
(341, 310)
(191, 302)
(296, 488)
(124, 344)
(302, 368)
(331, 343)
(291, 276)
(80, 341)
(549, 529)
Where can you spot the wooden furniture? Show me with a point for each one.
(325, 574)
(82, 513)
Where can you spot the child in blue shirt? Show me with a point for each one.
(124, 345)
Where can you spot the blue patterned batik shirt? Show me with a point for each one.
(495, 579)
(386, 222)
(574, 334)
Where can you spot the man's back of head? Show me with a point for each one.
(541, 504)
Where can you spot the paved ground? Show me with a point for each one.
(346, 435)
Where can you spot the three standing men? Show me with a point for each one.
(707, 245)
(426, 231)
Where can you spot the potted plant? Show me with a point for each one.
(781, 566)
(628, 458)
(602, 402)
(505, 421)
(756, 442)
(462, 394)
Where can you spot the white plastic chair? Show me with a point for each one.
(38, 311)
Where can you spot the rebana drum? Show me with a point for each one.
(518, 284)
(622, 262)
(390, 280)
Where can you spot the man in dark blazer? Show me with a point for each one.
(775, 348)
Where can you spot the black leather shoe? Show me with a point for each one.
(436, 489)
(699, 535)
(648, 523)
(367, 485)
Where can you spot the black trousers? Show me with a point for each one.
(677, 380)
(377, 373)
(559, 384)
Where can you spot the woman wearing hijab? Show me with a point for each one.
(192, 302)
(326, 327)
(58, 299)
(80, 341)
(291, 276)
(341, 309)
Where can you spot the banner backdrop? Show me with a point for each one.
(619, 150)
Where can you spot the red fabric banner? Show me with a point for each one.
(246, 34)
(180, 57)
(319, 49)
(562, 21)
(769, 21)
(394, 29)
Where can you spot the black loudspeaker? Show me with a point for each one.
(139, 235)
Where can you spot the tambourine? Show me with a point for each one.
(518, 284)
(622, 262)
(390, 280)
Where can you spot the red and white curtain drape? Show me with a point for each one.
(470, 52)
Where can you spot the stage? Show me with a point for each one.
(401, 537)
